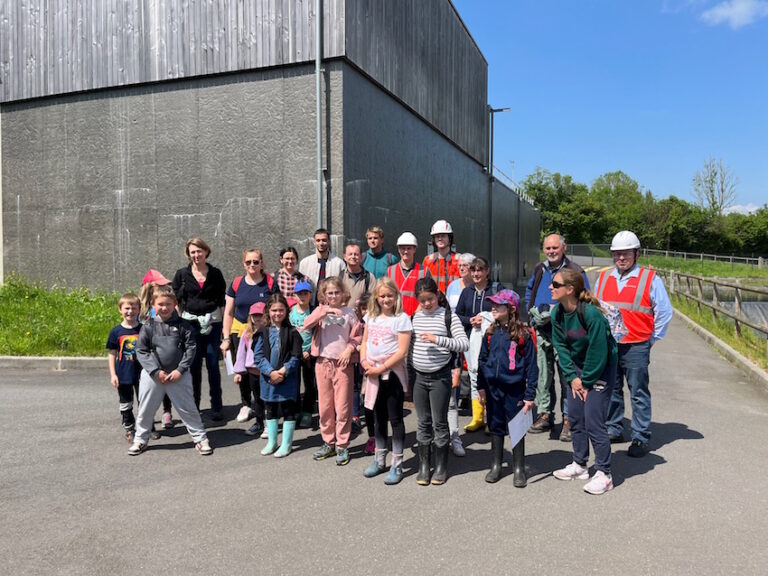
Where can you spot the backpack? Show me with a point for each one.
(580, 313)
(238, 279)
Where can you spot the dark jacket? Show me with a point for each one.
(166, 345)
(493, 365)
(196, 300)
(471, 302)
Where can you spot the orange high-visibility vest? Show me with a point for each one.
(634, 302)
(406, 284)
(443, 270)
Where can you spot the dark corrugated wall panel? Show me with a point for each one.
(50, 47)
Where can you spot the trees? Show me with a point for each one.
(714, 186)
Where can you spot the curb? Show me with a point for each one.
(754, 373)
(55, 363)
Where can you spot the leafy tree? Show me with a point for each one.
(623, 199)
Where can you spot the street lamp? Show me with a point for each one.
(491, 252)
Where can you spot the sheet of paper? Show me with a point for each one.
(228, 363)
(519, 425)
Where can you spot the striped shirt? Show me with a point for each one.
(428, 357)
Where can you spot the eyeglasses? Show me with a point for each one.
(556, 284)
(252, 262)
(333, 293)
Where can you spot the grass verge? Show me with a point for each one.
(39, 321)
(708, 268)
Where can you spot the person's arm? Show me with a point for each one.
(294, 340)
(598, 352)
(112, 370)
(241, 356)
(178, 287)
(403, 346)
(531, 371)
(315, 317)
(586, 280)
(529, 290)
(662, 309)
(190, 346)
(364, 350)
(144, 351)
(259, 358)
(229, 315)
(457, 341)
(482, 382)
(220, 287)
(564, 358)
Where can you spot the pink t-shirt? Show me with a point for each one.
(383, 333)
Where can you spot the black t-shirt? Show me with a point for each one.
(124, 340)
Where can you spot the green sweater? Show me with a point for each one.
(583, 353)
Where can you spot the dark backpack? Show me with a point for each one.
(580, 313)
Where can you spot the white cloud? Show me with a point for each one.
(742, 208)
(736, 13)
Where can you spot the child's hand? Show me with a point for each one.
(527, 405)
(162, 376)
(344, 358)
(429, 337)
(476, 321)
(366, 365)
(275, 377)
(481, 394)
(173, 377)
(375, 370)
(113, 380)
(305, 355)
(238, 378)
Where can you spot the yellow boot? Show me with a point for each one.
(477, 417)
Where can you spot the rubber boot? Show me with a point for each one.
(379, 464)
(497, 457)
(441, 465)
(285, 447)
(477, 417)
(395, 471)
(423, 477)
(518, 463)
(271, 438)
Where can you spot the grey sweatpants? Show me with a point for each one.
(151, 395)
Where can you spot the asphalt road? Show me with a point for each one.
(73, 501)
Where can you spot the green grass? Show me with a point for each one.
(38, 321)
(749, 344)
(708, 268)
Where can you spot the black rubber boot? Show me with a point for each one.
(423, 477)
(518, 463)
(441, 465)
(497, 457)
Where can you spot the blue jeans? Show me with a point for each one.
(588, 422)
(208, 348)
(633, 366)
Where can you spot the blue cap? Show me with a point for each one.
(302, 286)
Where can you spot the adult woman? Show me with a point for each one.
(588, 357)
(244, 292)
(288, 275)
(452, 294)
(474, 311)
(199, 289)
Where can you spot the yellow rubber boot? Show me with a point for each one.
(477, 417)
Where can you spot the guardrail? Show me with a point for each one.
(694, 288)
(603, 250)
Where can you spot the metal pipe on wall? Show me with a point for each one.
(318, 107)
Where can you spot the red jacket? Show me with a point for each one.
(443, 270)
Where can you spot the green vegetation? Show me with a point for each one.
(749, 344)
(708, 268)
(37, 321)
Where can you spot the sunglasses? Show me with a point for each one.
(252, 262)
(556, 284)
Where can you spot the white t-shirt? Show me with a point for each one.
(383, 332)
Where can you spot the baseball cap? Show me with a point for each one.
(302, 286)
(256, 308)
(153, 275)
(505, 297)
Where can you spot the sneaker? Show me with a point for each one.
(264, 434)
(637, 449)
(204, 447)
(325, 451)
(245, 414)
(167, 420)
(573, 470)
(306, 420)
(342, 456)
(599, 484)
(456, 446)
(370, 446)
(136, 448)
(542, 424)
(256, 429)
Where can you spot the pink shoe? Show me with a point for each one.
(370, 447)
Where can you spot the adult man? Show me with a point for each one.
(376, 260)
(442, 263)
(357, 280)
(646, 311)
(538, 301)
(406, 272)
(322, 263)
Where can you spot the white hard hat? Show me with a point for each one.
(625, 240)
(407, 239)
(441, 227)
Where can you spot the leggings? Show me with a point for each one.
(389, 407)
(273, 410)
(309, 399)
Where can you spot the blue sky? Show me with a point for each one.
(649, 87)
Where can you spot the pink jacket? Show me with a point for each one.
(333, 334)
(372, 382)
(244, 358)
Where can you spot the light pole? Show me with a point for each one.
(491, 251)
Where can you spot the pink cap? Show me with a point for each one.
(153, 275)
(257, 308)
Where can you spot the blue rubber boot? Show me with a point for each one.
(271, 438)
(379, 464)
(285, 448)
(395, 471)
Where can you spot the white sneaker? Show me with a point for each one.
(456, 446)
(573, 470)
(204, 447)
(245, 414)
(264, 434)
(599, 484)
(136, 448)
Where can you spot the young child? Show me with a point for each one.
(333, 343)
(437, 334)
(245, 367)
(361, 309)
(507, 376)
(302, 292)
(277, 354)
(166, 349)
(124, 368)
(386, 339)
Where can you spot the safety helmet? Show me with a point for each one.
(441, 227)
(407, 239)
(625, 240)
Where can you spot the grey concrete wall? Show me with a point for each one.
(98, 187)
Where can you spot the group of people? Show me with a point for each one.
(364, 333)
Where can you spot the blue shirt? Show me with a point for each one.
(543, 295)
(247, 295)
(377, 264)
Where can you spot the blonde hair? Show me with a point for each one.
(145, 300)
(375, 230)
(384, 283)
(252, 325)
(200, 243)
(336, 281)
(129, 298)
(163, 292)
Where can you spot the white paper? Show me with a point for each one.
(519, 425)
(228, 363)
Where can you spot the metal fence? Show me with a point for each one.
(603, 251)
